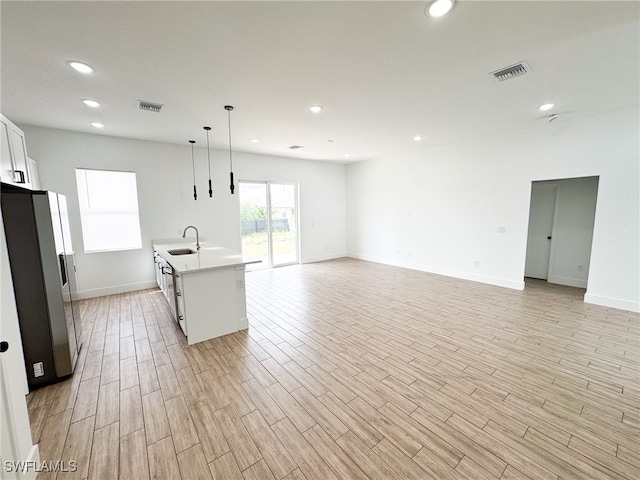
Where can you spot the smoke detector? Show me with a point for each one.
(149, 106)
(510, 72)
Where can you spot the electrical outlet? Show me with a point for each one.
(502, 229)
(580, 268)
(240, 284)
(476, 263)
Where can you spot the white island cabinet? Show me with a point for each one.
(207, 289)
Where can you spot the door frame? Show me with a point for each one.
(557, 227)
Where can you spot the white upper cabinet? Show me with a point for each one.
(6, 160)
(14, 168)
(32, 167)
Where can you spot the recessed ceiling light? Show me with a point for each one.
(417, 138)
(97, 124)
(81, 67)
(316, 109)
(254, 140)
(545, 107)
(90, 103)
(439, 8)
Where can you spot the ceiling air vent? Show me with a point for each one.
(511, 72)
(149, 107)
(296, 147)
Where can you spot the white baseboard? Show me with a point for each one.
(33, 459)
(322, 258)
(496, 281)
(101, 292)
(612, 302)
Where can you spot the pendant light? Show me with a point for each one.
(209, 161)
(228, 108)
(193, 166)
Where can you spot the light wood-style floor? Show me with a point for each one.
(351, 369)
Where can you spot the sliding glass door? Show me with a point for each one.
(254, 222)
(269, 222)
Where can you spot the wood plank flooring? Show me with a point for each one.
(352, 369)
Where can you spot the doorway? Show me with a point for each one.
(561, 223)
(269, 223)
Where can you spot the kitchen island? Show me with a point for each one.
(205, 288)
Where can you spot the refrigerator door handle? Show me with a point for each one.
(63, 269)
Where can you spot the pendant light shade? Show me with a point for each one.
(193, 167)
(228, 108)
(209, 161)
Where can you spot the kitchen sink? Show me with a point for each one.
(181, 251)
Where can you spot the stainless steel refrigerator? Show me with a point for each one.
(40, 255)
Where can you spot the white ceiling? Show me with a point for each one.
(383, 71)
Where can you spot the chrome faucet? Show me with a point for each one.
(184, 234)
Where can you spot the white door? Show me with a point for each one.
(541, 213)
(15, 435)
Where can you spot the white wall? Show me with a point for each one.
(165, 196)
(439, 210)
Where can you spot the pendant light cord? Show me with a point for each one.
(230, 153)
(193, 167)
(209, 161)
(228, 108)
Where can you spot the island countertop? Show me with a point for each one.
(209, 257)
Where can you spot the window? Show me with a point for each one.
(108, 210)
